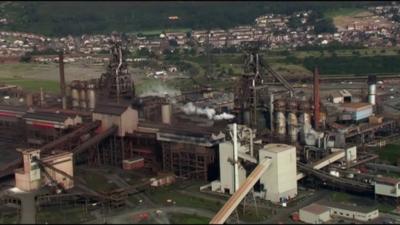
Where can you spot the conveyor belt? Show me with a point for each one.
(238, 196)
(348, 184)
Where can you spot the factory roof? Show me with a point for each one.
(13, 108)
(111, 109)
(47, 116)
(387, 180)
(315, 208)
(353, 207)
(277, 147)
(356, 105)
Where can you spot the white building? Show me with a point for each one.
(354, 212)
(226, 183)
(315, 214)
(351, 154)
(387, 186)
(280, 180)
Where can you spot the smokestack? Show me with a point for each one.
(316, 98)
(166, 113)
(235, 158)
(29, 100)
(372, 89)
(41, 97)
(62, 79)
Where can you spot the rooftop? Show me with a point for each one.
(47, 116)
(21, 109)
(387, 180)
(315, 208)
(353, 207)
(277, 147)
(357, 105)
(111, 109)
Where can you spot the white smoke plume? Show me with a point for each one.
(160, 91)
(224, 116)
(191, 109)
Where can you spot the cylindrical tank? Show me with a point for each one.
(261, 120)
(304, 118)
(83, 98)
(292, 105)
(372, 94)
(279, 105)
(292, 127)
(305, 106)
(166, 113)
(280, 122)
(75, 97)
(29, 100)
(91, 95)
(246, 117)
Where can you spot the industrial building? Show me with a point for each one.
(315, 214)
(265, 139)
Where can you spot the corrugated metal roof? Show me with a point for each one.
(315, 208)
(387, 180)
(58, 117)
(356, 105)
(21, 109)
(354, 208)
(110, 109)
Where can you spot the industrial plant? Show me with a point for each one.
(265, 140)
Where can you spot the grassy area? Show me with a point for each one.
(340, 197)
(33, 85)
(9, 219)
(385, 208)
(63, 216)
(390, 153)
(343, 12)
(176, 218)
(161, 195)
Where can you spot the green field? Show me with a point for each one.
(33, 85)
(343, 12)
(390, 153)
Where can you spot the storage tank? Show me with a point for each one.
(261, 119)
(292, 126)
(292, 105)
(29, 100)
(246, 117)
(372, 89)
(279, 105)
(83, 99)
(166, 113)
(280, 121)
(91, 95)
(75, 94)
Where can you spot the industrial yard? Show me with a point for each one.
(271, 150)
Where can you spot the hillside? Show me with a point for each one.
(63, 18)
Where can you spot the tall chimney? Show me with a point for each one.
(62, 79)
(372, 89)
(235, 158)
(316, 98)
